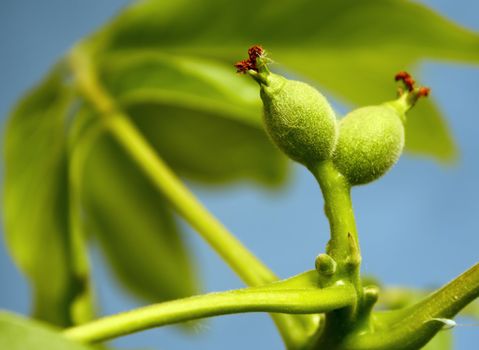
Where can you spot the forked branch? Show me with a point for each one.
(298, 295)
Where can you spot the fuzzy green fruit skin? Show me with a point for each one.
(299, 120)
(370, 142)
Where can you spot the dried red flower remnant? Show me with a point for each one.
(254, 52)
(409, 82)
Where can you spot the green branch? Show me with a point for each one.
(412, 327)
(279, 297)
(342, 253)
(343, 246)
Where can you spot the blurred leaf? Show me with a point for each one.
(203, 120)
(392, 298)
(135, 227)
(471, 310)
(18, 333)
(353, 49)
(36, 198)
(441, 341)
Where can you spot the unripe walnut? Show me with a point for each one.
(370, 142)
(299, 120)
(371, 139)
(297, 117)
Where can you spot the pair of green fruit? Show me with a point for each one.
(363, 145)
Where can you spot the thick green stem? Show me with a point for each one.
(412, 327)
(343, 246)
(256, 299)
(250, 269)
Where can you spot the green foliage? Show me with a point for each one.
(36, 197)
(17, 333)
(204, 121)
(134, 225)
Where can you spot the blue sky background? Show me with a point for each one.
(418, 225)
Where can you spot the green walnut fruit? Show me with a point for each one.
(371, 139)
(298, 119)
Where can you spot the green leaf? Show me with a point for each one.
(18, 333)
(36, 198)
(133, 223)
(203, 120)
(352, 49)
